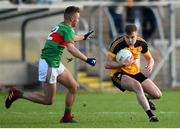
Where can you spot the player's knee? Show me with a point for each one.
(74, 89)
(158, 95)
(50, 102)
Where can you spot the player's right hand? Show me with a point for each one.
(128, 61)
(91, 61)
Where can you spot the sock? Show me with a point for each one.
(149, 113)
(67, 112)
(147, 97)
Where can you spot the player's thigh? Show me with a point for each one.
(67, 80)
(130, 84)
(49, 91)
(150, 88)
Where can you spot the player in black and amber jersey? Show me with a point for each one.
(127, 75)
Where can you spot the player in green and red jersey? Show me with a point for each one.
(51, 69)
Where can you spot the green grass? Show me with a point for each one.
(93, 110)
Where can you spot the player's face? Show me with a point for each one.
(131, 39)
(75, 19)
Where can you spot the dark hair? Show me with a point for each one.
(130, 28)
(70, 11)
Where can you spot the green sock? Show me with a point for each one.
(67, 109)
(67, 113)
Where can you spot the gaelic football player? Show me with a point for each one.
(127, 75)
(51, 69)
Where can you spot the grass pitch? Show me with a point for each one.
(93, 110)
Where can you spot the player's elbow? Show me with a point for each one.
(152, 60)
(70, 49)
(107, 66)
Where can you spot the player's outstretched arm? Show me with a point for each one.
(84, 37)
(76, 53)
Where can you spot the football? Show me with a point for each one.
(122, 55)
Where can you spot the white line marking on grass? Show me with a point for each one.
(51, 113)
(114, 113)
(168, 112)
(108, 113)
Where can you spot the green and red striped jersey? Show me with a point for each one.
(57, 40)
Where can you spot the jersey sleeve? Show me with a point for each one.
(144, 48)
(69, 36)
(117, 45)
(114, 49)
(111, 51)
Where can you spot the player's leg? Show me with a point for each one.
(127, 83)
(131, 84)
(48, 76)
(67, 80)
(151, 89)
(45, 98)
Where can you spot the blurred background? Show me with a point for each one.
(25, 24)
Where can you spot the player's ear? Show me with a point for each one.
(71, 19)
(136, 33)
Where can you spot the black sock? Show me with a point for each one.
(147, 97)
(149, 113)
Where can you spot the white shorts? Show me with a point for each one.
(49, 74)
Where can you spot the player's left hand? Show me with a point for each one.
(91, 61)
(88, 35)
(149, 68)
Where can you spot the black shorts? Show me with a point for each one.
(116, 79)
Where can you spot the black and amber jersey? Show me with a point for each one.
(139, 47)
